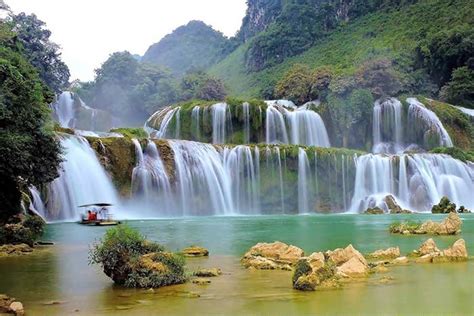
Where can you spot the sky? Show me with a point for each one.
(88, 31)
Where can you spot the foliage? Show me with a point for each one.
(460, 90)
(347, 113)
(132, 90)
(29, 154)
(400, 227)
(191, 47)
(43, 54)
(455, 152)
(131, 132)
(302, 268)
(26, 231)
(121, 254)
(392, 34)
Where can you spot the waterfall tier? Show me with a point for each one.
(274, 122)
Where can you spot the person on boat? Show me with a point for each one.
(89, 215)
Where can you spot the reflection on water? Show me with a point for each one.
(61, 274)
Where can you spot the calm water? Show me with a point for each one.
(61, 273)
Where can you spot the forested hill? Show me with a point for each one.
(194, 46)
(429, 44)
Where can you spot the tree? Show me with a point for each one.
(297, 85)
(379, 77)
(460, 90)
(43, 54)
(351, 111)
(199, 85)
(29, 153)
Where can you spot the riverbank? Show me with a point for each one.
(64, 277)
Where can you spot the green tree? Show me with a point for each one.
(199, 85)
(460, 90)
(29, 153)
(43, 54)
(349, 112)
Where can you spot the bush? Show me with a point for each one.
(23, 232)
(131, 260)
(400, 227)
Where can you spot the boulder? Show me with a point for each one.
(428, 248)
(451, 225)
(195, 251)
(9, 305)
(340, 255)
(463, 210)
(354, 267)
(15, 250)
(309, 274)
(392, 205)
(207, 273)
(444, 206)
(400, 260)
(392, 252)
(275, 255)
(457, 251)
(374, 211)
(16, 308)
(201, 281)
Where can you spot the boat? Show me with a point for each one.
(105, 216)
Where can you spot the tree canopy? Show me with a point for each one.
(29, 153)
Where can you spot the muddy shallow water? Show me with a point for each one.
(58, 280)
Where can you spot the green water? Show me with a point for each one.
(62, 274)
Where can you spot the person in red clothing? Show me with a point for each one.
(91, 216)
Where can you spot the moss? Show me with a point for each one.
(457, 123)
(130, 132)
(117, 155)
(400, 227)
(457, 153)
(59, 129)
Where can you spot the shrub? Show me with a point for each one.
(24, 232)
(131, 260)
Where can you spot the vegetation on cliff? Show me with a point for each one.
(29, 153)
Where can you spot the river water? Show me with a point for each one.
(58, 280)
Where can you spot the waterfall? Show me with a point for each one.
(219, 118)
(416, 181)
(63, 109)
(298, 126)
(280, 178)
(387, 126)
(165, 117)
(82, 180)
(195, 122)
(37, 204)
(246, 116)
(304, 177)
(466, 111)
(426, 122)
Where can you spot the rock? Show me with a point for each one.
(340, 256)
(307, 282)
(457, 251)
(392, 252)
(374, 211)
(275, 255)
(392, 205)
(207, 273)
(305, 278)
(451, 225)
(426, 258)
(201, 281)
(444, 206)
(15, 250)
(353, 268)
(195, 251)
(17, 308)
(400, 260)
(380, 269)
(464, 210)
(316, 260)
(428, 248)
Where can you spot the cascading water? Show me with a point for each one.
(304, 176)
(82, 180)
(195, 115)
(387, 126)
(296, 126)
(426, 123)
(63, 109)
(416, 181)
(219, 119)
(246, 115)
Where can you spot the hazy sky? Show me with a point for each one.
(89, 30)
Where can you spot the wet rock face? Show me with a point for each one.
(270, 256)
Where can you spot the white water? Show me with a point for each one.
(467, 111)
(63, 109)
(388, 114)
(416, 181)
(303, 176)
(195, 121)
(418, 113)
(219, 120)
(298, 126)
(82, 180)
(246, 115)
